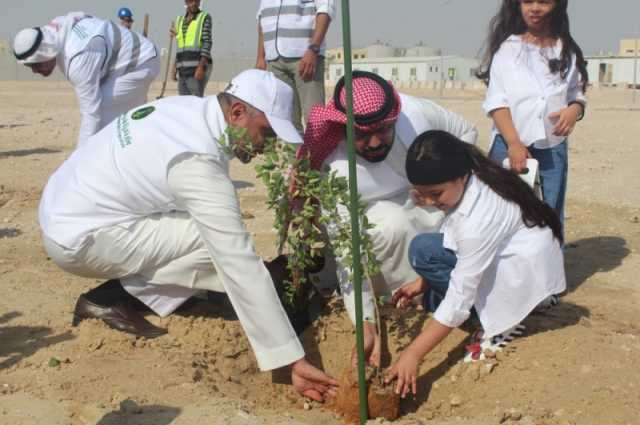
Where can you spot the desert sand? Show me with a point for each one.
(579, 362)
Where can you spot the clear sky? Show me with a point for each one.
(458, 26)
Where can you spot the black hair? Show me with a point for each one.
(509, 21)
(444, 149)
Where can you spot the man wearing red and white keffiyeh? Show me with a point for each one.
(386, 123)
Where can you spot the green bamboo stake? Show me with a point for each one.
(355, 222)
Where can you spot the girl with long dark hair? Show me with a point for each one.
(497, 255)
(536, 76)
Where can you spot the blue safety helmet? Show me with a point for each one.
(125, 13)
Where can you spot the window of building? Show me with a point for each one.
(394, 72)
(338, 72)
(436, 69)
(413, 71)
(431, 69)
(339, 55)
(374, 70)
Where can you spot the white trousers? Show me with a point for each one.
(396, 222)
(161, 259)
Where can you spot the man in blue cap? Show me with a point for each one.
(126, 17)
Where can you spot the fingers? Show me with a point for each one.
(414, 385)
(313, 394)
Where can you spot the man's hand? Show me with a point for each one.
(261, 63)
(312, 382)
(172, 31)
(565, 119)
(307, 66)
(403, 296)
(372, 347)
(406, 371)
(199, 75)
(518, 154)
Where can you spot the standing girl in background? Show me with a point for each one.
(536, 76)
(498, 251)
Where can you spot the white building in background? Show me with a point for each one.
(611, 70)
(411, 70)
(420, 65)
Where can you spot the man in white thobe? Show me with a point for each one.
(386, 123)
(109, 66)
(150, 205)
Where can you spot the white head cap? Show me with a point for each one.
(263, 91)
(32, 45)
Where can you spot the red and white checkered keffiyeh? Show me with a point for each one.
(326, 124)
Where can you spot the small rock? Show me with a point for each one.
(53, 362)
(129, 406)
(515, 415)
(488, 368)
(455, 400)
(635, 219)
(306, 406)
(197, 375)
(247, 215)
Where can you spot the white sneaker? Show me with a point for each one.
(478, 344)
(547, 303)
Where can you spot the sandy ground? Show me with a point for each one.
(579, 363)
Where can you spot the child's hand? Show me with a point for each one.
(403, 296)
(518, 154)
(565, 120)
(406, 372)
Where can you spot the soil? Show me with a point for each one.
(578, 363)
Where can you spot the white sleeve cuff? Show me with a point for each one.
(493, 103)
(328, 7)
(274, 358)
(450, 317)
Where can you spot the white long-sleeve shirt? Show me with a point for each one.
(84, 73)
(504, 268)
(388, 179)
(520, 80)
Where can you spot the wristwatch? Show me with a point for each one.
(314, 48)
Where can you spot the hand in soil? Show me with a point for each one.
(372, 347)
(403, 296)
(312, 382)
(405, 370)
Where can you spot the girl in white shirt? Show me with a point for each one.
(536, 76)
(498, 252)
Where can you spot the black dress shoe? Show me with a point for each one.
(120, 316)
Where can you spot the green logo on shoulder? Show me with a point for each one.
(142, 113)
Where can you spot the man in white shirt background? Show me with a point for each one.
(110, 67)
(291, 44)
(149, 205)
(386, 123)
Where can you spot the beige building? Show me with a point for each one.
(629, 47)
(337, 54)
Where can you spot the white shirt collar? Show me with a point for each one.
(469, 198)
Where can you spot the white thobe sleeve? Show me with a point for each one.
(203, 188)
(346, 284)
(84, 74)
(440, 118)
(476, 250)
